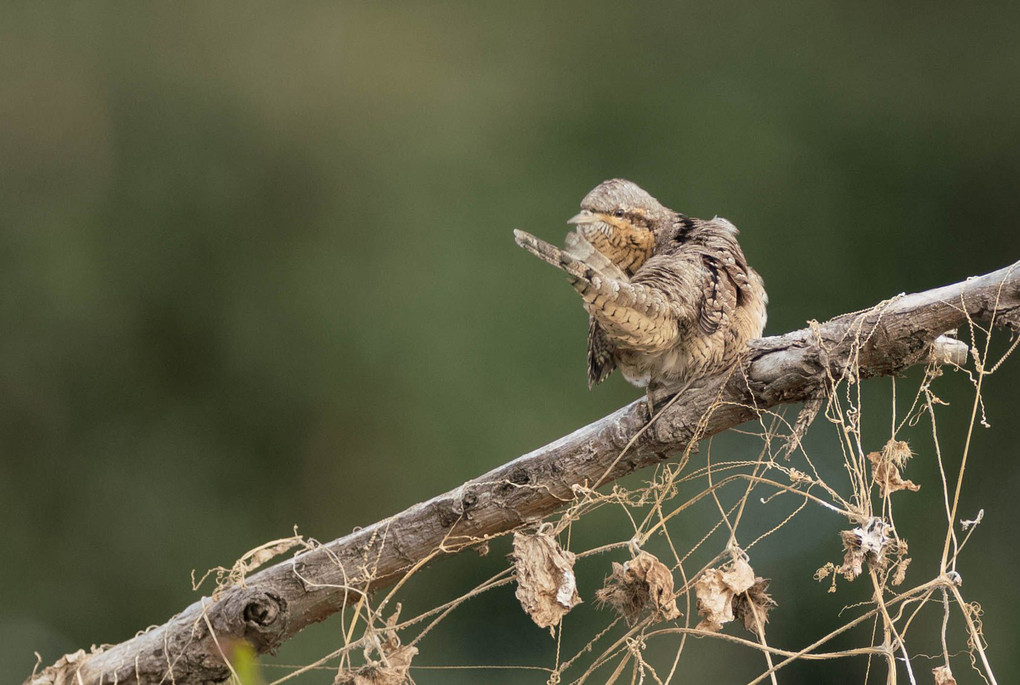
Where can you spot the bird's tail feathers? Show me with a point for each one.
(577, 246)
(579, 258)
(547, 252)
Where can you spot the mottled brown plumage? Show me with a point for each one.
(670, 297)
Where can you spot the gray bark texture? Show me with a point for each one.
(274, 604)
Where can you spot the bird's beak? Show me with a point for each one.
(585, 217)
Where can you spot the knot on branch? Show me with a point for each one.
(258, 615)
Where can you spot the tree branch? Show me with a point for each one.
(276, 603)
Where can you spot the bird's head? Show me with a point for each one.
(619, 218)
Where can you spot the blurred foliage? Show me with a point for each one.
(244, 663)
(256, 265)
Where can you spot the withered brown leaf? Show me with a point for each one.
(643, 582)
(887, 465)
(546, 586)
(755, 602)
(393, 665)
(716, 589)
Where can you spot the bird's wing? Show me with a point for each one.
(719, 295)
(728, 282)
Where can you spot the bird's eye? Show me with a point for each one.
(618, 213)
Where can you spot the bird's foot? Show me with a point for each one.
(666, 396)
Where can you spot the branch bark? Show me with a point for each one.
(276, 603)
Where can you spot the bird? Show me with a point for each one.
(670, 298)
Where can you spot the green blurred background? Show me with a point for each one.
(256, 270)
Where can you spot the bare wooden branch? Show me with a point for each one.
(276, 603)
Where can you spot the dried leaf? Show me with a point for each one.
(61, 673)
(853, 557)
(870, 543)
(394, 671)
(943, 676)
(394, 660)
(252, 559)
(946, 349)
(261, 555)
(716, 589)
(755, 602)
(886, 466)
(643, 582)
(546, 586)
